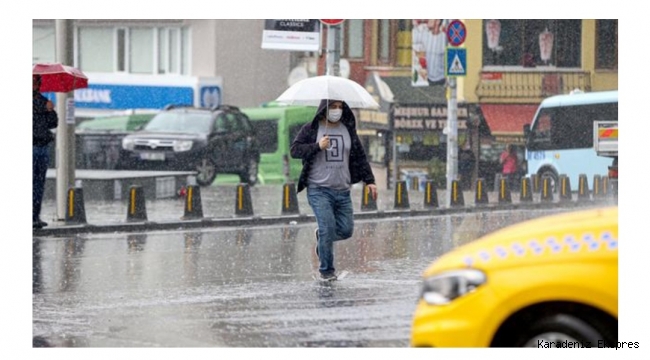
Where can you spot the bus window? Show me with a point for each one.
(267, 132)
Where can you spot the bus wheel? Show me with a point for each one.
(551, 176)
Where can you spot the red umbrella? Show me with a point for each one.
(57, 77)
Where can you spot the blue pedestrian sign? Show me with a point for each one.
(456, 61)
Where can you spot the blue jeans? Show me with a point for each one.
(40, 161)
(333, 212)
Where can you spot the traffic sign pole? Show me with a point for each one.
(332, 53)
(456, 34)
(452, 138)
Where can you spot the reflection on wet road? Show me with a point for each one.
(242, 287)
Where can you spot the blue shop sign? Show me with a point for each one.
(118, 97)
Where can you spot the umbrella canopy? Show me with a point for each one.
(57, 77)
(312, 90)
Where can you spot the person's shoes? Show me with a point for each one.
(38, 224)
(316, 247)
(328, 277)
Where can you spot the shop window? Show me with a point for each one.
(531, 43)
(607, 44)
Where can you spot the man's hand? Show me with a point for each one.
(373, 191)
(324, 142)
(49, 105)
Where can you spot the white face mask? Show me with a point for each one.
(334, 115)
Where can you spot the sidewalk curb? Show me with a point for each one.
(254, 221)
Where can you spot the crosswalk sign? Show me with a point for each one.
(456, 61)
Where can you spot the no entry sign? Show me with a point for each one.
(456, 33)
(331, 21)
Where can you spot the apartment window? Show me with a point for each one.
(138, 50)
(43, 49)
(141, 50)
(185, 51)
(121, 49)
(384, 41)
(352, 38)
(607, 44)
(95, 49)
(518, 43)
(169, 51)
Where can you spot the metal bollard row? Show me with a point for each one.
(193, 209)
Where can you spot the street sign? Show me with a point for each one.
(330, 22)
(456, 33)
(456, 62)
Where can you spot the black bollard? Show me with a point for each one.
(525, 192)
(504, 191)
(289, 199)
(367, 202)
(193, 206)
(583, 187)
(535, 183)
(136, 210)
(598, 191)
(565, 188)
(76, 211)
(457, 198)
(481, 195)
(401, 196)
(547, 192)
(430, 195)
(243, 203)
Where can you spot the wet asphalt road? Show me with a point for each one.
(242, 287)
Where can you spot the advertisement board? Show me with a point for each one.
(291, 34)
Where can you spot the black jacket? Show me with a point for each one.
(305, 147)
(42, 121)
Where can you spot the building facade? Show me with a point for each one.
(512, 65)
(147, 64)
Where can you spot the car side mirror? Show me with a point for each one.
(526, 130)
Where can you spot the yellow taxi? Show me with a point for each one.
(547, 282)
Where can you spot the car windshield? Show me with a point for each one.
(180, 122)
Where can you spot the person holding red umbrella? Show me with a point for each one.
(44, 118)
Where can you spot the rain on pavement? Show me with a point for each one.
(242, 287)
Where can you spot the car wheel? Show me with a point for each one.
(207, 172)
(249, 176)
(561, 329)
(552, 178)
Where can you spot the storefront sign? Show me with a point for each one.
(373, 116)
(423, 117)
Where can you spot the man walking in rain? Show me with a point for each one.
(44, 118)
(333, 159)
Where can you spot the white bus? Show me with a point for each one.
(559, 141)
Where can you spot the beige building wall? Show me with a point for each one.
(233, 50)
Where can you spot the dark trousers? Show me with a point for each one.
(40, 160)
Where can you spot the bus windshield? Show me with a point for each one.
(568, 127)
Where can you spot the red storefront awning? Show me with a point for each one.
(508, 119)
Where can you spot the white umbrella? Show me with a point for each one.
(312, 90)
